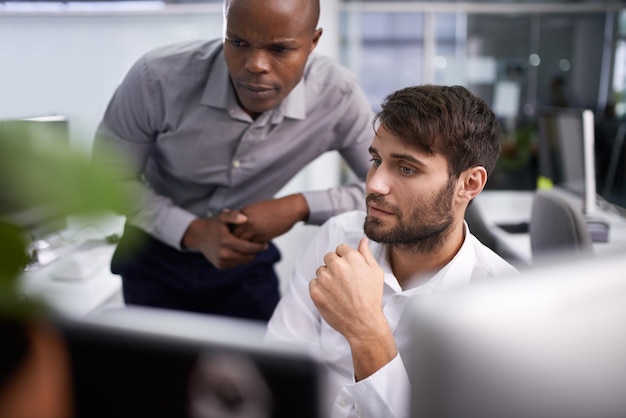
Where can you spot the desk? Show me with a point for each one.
(76, 299)
(514, 206)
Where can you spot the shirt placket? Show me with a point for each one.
(239, 163)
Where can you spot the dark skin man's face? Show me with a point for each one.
(266, 48)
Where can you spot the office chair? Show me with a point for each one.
(615, 184)
(478, 228)
(557, 227)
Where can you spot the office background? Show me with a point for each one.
(67, 58)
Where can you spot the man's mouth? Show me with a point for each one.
(376, 210)
(256, 91)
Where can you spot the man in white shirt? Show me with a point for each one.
(432, 152)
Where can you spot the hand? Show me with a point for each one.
(269, 219)
(213, 238)
(348, 289)
(348, 293)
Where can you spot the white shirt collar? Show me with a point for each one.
(453, 274)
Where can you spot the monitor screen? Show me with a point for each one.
(548, 343)
(566, 151)
(142, 362)
(38, 217)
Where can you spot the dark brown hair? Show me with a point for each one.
(446, 120)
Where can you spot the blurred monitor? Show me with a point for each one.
(549, 343)
(143, 362)
(506, 97)
(37, 217)
(566, 151)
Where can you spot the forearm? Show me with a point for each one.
(372, 351)
(299, 207)
(271, 218)
(327, 203)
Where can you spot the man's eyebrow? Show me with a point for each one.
(285, 41)
(406, 157)
(409, 158)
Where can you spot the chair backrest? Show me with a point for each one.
(614, 189)
(478, 228)
(556, 226)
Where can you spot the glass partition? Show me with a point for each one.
(517, 57)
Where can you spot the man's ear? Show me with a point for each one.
(316, 38)
(472, 181)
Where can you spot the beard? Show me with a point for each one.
(423, 226)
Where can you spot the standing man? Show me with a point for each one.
(204, 134)
(431, 154)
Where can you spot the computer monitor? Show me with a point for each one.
(145, 362)
(549, 343)
(37, 216)
(566, 152)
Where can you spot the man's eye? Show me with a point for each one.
(280, 49)
(236, 43)
(407, 170)
(375, 161)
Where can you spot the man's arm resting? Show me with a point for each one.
(269, 219)
(212, 237)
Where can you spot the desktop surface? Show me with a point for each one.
(507, 215)
(75, 278)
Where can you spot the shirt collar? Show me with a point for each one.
(219, 93)
(456, 273)
(294, 105)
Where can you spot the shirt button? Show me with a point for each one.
(236, 163)
(343, 403)
(397, 299)
(209, 214)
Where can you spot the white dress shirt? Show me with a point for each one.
(297, 321)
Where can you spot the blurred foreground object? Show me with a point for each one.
(34, 363)
(549, 343)
(33, 171)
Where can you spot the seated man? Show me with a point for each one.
(433, 149)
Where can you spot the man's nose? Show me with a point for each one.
(257, 61)
(377, 181)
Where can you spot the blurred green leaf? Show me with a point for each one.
(67, 178)
(34, 171)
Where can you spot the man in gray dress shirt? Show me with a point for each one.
(204, 134)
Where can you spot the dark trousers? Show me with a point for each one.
(157, 275)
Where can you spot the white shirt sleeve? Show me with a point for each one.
(296, 320)
(386, 393)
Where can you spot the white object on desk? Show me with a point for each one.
(82, 292)
(73, 298)
(81, 264)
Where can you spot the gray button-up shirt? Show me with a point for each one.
(177, 139)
